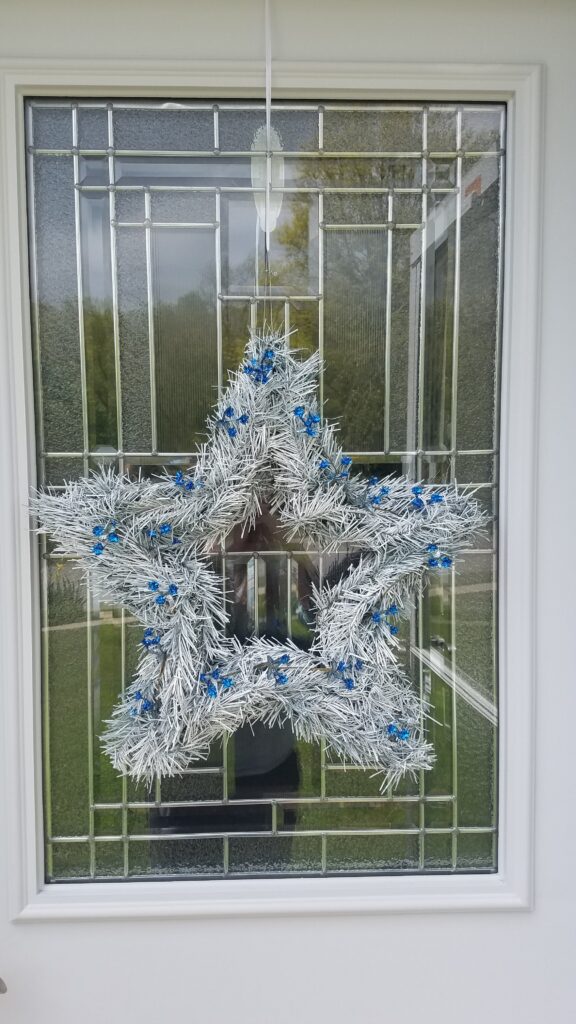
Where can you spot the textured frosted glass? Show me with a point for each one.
(52, 127)
(403, 341)
(146, 128)
(134, 346)
(475, 610)
(57, 310)
(442, 128)
(106, 667)
(92, 128)
(439, 340)
(481, 129)
(372, 853)
(354, 346)
(67, 654)
(297, 131)
(176, 857)
(98, 321)
(368, 172)
(184, 277)
(389, 131)
(275, 854)
(479, 304)
(130, 206)
(183, 207)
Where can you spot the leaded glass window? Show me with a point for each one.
(146, 269)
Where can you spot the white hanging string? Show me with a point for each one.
(268, 79)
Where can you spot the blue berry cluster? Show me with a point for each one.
(344, 670)
(183, 481)
(260, 369)
(376, 493)
(142, 704)
(162, 533)
(150, 638)
(212, 679)
(332, 471)
(386, 617)
(418, 502)
(161, 596)
(230, 421)
(277, 666)
(436, 560)
(310, 421)
(397, 733)
(104, 534)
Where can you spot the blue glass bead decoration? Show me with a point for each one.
(341, 666)
(445, 562)
(260, 370)
(189, 485)
(394, 630)
(433, 563)
(153, 585)
(212, 690)
(161, 599)
(232, 431)
(151, 533)
(432, 548)
(98, 531)
(376, 616)
(417, 489)
(138, 695)
(243, 418)
(179, 478)
(281, 678)
(299, 411)
(113, 537)
(349, 683)
(98, 548)
(436, 498)
(165, 529)
(346, 460)
(172, 590)
(229, 412)
(150, 638)
(417, 503)
(227, 682)
(392, 729)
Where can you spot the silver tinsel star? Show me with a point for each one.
(146, 544)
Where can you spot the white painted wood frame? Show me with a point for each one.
(520, 86)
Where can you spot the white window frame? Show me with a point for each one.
(520, 86)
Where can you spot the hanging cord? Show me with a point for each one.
(268, 86)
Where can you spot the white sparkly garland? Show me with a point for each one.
(146, 545)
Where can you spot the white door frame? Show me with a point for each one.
(519, 85)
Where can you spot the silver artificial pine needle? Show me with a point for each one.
(146, 546)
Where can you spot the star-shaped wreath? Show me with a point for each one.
(147, 545)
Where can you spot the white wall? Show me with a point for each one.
(363, 970)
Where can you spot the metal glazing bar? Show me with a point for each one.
(178, 225)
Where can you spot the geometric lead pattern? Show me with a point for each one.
(387, 256)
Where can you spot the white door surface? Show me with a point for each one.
(427, 214)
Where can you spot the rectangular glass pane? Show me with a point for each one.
(147, 271)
